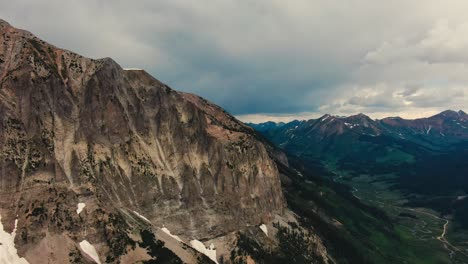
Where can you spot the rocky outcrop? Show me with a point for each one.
(78, 130)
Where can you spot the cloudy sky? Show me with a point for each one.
(275, 59)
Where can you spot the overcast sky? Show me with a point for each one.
(275, 59)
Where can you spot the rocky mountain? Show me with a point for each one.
(102, 164)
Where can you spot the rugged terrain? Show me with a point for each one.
(413, 170)
(101, 164)
(329, 135)
(105, 165)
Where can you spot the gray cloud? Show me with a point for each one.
(274, 57)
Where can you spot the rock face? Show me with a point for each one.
(77, 130)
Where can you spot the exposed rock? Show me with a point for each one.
(78, 130)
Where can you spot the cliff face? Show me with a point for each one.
(77, 130)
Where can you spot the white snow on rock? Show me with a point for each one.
(428, 130)
(142, 217)
(200, 247)
(80, 207)
(350, 125)
(8, 252)
(165, 230)
(89, 250)
(264, 228)
(132, 69)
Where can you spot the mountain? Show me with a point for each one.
(325, 135)
(265, 126)
(446, 127)
(365, 145)
(105, 165)
(102, 164)
(332, 134)
(97, 160)
(414, 170)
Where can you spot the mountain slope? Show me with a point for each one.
(132, 151)
(414, 170)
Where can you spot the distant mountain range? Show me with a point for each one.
(360, 140)
(425, 159)
(447, 123)
(269, 125)
(445, 128)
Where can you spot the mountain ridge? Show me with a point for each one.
(459, 113)
(126, 149)
(447, 124)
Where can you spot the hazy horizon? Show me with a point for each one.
(261, 118)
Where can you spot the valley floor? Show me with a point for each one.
(426, 234)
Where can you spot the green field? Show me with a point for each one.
(421, 230)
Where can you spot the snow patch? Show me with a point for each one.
(8, 252)
(165, 230)
(264, 228)
(80, 207)
(89, 250)
(132, 69)
(200, 247)
(142, 217)
(299, 173)
(428, 130)
(351, 125)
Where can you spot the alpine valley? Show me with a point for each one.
(414, 171)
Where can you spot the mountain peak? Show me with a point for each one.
(324, 117)
(449, 114)
(3, 24)
(361, 115)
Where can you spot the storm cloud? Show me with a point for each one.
(275, 59)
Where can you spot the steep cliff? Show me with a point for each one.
(90, 150)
